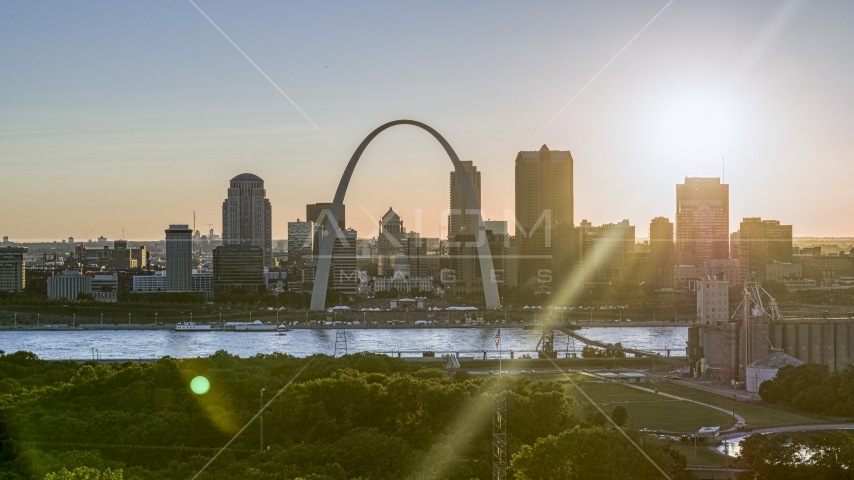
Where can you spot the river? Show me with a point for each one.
(117, 344)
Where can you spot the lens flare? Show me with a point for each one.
(200, 385)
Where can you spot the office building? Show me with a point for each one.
(238, 267)
(762, 242)
(464, 278)
(179, 258)
(300, 241)
(139, 257)
(460, 218)
(68, 285)
(105, 287)
(687, 276)
(247, 215)
(12, 264)
(702, 221)
(121, 256)
(389, 242)
(415, 249)
(603, 251)
(319, 213)
(780, 272)
(662, 252)
(544, 197)
(345, 275)
(150, 283)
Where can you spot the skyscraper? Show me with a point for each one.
(389, 243)
(460, 220)
(544, 198)
(662, 252)
(12, 265)
(179, 258)
(761, 242)
(319, 214)
(702, 221)
(247, 215)
(300, 241)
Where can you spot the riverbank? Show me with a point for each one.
(337, 326)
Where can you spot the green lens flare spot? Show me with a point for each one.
(200, 385)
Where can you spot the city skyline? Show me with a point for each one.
(186, 119)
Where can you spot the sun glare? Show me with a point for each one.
(697, 127)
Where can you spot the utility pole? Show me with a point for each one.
(261, 420)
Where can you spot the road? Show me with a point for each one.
(791, 428)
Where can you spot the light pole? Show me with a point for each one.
(261, 419)
(102, 319)
(155, 320)
(128, 318)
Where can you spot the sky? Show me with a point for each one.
(135, 114)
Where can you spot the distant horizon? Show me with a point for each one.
(110, 240)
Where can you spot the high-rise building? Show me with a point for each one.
(544, 197)
(603, 250)
(662, 252)
(12, 277)
(464, 277)
(415, 250)
(237, 267)
(460, 219)
(389, 242)
(344, 270)
(139, 257)
(762, 242)
(179, 258)
(300, 241)
(702, 221)
(319, 214)
(247, 215)
(122, 255)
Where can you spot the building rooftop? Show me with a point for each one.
(247, 176)
(776, 360)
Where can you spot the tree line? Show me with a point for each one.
(361, 416)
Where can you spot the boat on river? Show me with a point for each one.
(192, 327)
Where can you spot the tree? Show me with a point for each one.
(619, 415)
(546, 460)
(85, 473)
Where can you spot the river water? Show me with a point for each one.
(409, 342)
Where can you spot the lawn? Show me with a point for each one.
(756, 414)
(651, 411)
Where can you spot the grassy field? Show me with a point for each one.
(651, 411)
(756, 414)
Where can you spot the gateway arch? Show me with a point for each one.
(327, 242)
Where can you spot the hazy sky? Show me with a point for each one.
(134, 114)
